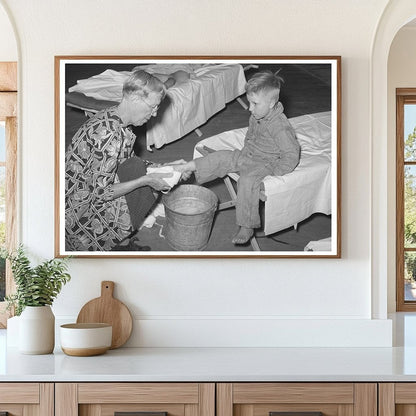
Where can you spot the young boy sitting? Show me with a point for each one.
(270, 148)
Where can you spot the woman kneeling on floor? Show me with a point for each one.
(107, 191)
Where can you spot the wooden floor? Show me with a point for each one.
(306, 90)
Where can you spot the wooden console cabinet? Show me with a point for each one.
(208, 399)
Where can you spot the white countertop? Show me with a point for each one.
(222, 364)
(215, 364)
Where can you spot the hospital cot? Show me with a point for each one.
(187, 106)
(294, 197)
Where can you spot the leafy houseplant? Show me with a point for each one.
(35, 286)
(36, 289)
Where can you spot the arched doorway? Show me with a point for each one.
(8, 150)
(401, 101)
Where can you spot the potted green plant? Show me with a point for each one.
(36, 289)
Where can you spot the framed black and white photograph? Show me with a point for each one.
(198, 156)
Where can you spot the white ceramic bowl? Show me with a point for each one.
(85, 339)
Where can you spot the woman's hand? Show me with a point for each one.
(155, 181)
(181, 166)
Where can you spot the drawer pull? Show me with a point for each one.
(295, 413)
(140, 414)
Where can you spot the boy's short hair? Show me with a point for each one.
(265, 81)
(140, 84)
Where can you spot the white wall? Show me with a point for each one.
(212, 301)
(401, 74)
(8, 46)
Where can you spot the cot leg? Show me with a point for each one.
(198, 132)
(230, 188)
(226, 205)
(233, 195)
(242, 103)
(254, 244)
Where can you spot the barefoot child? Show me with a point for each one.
(270, 148)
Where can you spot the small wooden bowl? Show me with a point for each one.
(84, 340)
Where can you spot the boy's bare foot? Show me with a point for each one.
(185, 169)
(243, 235)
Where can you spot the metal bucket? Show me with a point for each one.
(189, 212)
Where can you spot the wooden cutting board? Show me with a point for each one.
(108, 310)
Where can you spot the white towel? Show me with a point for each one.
(171, 180)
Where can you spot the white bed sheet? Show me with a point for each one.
(188, 105)
(294, 197)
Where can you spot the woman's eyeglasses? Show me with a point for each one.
(154, 108)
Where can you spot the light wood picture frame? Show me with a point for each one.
(205, 109)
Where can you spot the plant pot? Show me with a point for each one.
(37, 330)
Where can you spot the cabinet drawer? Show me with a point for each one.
(21, 399)
(138, 393)
(108, 399)
(19, 393)
(270, 399)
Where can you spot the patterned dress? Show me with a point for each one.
(94, 221)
